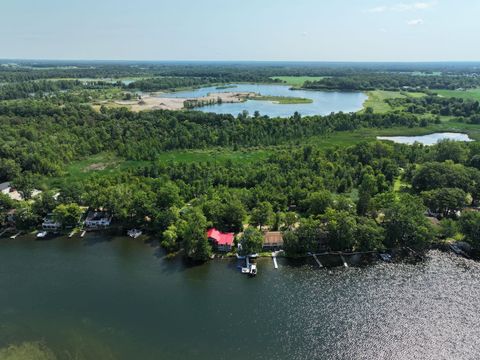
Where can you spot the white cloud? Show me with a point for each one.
(402, 7)
(415, 22)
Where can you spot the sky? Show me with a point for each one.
(262, 30)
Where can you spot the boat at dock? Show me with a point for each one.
(134, 233)
(250, 268)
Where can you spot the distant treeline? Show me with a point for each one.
(169, 83)
(391, 81)
(223, 72)
(26, 89)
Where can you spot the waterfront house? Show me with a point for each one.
(221, 241)
(98, 219)
(272, 240)
(49, 224)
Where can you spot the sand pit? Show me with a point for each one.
(157, 102)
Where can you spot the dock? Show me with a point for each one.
(72, 233)
(15, 236)
(274, 257)
(344, 261)
(83, 233)
(318, 261)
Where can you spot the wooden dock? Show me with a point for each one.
(274, 257)
(15, 236)
(318, 261)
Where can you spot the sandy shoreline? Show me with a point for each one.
(157, 102)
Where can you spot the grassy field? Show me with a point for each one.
(376, 99)
(109, 164)
(297, 81)
(471, 94)
(283, 99)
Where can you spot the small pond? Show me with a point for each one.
(430, 139)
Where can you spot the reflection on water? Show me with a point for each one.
(118, 300)
(324, 102)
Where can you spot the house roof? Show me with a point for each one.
(273, 237)
(219, 237)
(4, 186)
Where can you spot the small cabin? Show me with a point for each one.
(273, 240)
(221, 241)
(98, 219)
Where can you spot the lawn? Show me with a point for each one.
(297, 81)
(471, 94)
(376, 99)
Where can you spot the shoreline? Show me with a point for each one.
(397, 254)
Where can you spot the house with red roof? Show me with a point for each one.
(221, 241)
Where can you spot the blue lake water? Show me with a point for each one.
(118, 299)
(430, 139)
(324, 102)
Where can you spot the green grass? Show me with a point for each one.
(108, 164)
(283, 99)
(348, 138)
(471, 94)
(297, 81)
(376, 99)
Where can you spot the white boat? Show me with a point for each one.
(134, 233)
(253, 269)
(41, 234)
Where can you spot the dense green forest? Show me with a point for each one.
(393, 81)
(365, 196)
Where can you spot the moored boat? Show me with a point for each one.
(134, 233)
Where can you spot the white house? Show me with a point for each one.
(50, 224)
(98, 219)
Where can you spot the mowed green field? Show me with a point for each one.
(297, 81)
(376, 99)
(471, 94)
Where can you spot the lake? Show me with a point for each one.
(324, 102)
(117, 298)
(430, 139)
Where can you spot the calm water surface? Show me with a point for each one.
(430, 139)
(101, 298)
(324, 102)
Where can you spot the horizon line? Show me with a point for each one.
(241, 61)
